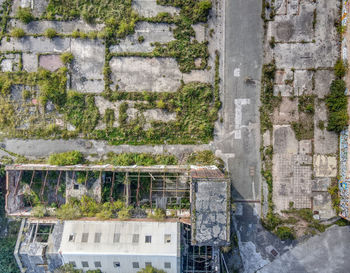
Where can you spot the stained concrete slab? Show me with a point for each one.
(325, 166)
(87, 66)
(323, 80)
(151, 33)
(149, 8)
(36, 45)
(30, 62)
(325, 142)
(10, 62)
(322, 204)
(287, 112)
(292, 178)
(145, 74)
(284, 141)
(305, 147)
(284, 79)
(291, 27)
(304, 56)
(50, 62)
(38, 7)
(64, 27)
(200, 31)
(303, 82)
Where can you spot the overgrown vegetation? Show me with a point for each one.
(117, 15)
(285, 233)
(67, 158)
(336, 103)
(205, 158)
(334, 192)
(88, 207)
(268, 101)
(304, 127)
(140, 159)
(195, 108)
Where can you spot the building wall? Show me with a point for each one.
(125, 261)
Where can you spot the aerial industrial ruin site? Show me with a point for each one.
(174, 136)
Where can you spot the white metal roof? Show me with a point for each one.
(108, 245)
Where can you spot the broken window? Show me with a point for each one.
(97, 237)
(148, 239)
(167, 265)
(73, 263)
(116, 264)
(43, 232)
(148, 264)
(84, 264)
(116, 238)
(76, 186)
(72, 237)
(167, 238)
(84, 237)
(135, 265)
(98, 264)
(135, 238)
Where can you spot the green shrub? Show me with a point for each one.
(124, 214)
(50, 33)
(285, 233)
(141, 39)
(25, 15)
(39, 211)
(67, 58)
(68, 211)
(159, 214)
(67, 158)
(17, 32)
(340, 68)
(271, 221)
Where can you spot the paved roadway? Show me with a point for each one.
(240, 135)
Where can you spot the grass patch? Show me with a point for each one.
(24, 15)
(17, 32)
(50, 33)
(67, 58)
